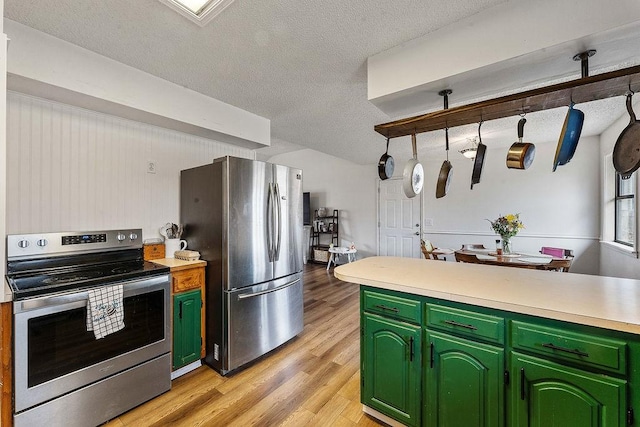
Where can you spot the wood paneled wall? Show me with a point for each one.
(70, 169)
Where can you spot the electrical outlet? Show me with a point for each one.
(428, 222)
(151, 166)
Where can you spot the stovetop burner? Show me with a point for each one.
(25, 285)
(59, 262)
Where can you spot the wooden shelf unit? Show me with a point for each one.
(586, 89)
(331, 222)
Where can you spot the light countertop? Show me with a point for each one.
(605, 302)
(178, 264)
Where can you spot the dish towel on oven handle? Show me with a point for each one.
(105, 311)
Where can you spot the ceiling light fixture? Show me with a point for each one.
(199, 11)
(471, 149)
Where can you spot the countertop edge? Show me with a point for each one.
(475, 299)
(178, 264)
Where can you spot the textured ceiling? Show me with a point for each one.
(299, 63)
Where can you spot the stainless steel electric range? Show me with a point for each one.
(62, 373)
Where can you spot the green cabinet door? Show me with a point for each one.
(464, 382)
(186, 328)
(391, 368)
(546, 394)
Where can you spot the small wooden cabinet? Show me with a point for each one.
(188, 291)
(187, 339)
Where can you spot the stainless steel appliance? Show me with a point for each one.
(245, 218)
(62, 373)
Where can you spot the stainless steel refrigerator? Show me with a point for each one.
(245, 219)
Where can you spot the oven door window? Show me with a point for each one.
(59, 343)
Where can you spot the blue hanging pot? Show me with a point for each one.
(568, 137)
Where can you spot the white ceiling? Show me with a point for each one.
(299, 63)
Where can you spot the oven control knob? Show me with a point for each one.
(23, 244)
(121, 237)
(133, 236)
(42, 242)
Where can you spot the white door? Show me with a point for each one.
(398, 221)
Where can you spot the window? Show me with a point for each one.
(625, 215)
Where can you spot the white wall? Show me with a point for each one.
(615, 260)
(339, 184)
(71, 169)
(559, 209)
(45, 66)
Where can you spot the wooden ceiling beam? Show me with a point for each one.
(586, 89)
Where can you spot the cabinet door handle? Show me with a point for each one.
(180, 311)
(460, 325)
(384, 307)
(566, 350)
(523, 395)
(411, 349)
(431, 356)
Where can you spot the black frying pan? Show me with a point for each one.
(479, 160)
(386, 165)
(626, 152)
(446, 172)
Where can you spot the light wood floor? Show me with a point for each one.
(313, 380)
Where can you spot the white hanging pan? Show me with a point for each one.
(413, 176)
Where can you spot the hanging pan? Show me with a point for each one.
(446, 172)
(626, 152)
(386, 165)
(569, 137)
(479, 160)
(521, 154)
(413, 176)
(572, 127)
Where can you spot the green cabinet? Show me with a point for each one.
(464, 383)
(547, 394)
(391, 368)
(186, 328)
(483, 367)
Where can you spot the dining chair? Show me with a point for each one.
(561, 265)
(427, 250)
(472, 246)
(554, 252)
(472, 258)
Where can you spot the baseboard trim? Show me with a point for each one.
(188, 368)
(382, 417)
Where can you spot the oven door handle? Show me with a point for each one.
(130, 288)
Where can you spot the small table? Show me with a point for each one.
(442, 252)
(340, 250)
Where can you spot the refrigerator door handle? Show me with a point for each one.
(268, 291)
(279, 217)
(269, 214)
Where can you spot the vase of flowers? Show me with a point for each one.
(507, 226)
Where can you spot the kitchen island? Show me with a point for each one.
(463, 344)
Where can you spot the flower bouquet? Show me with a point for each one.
(507, 226)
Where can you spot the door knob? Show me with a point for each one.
(417, 233)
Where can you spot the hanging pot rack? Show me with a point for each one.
(585, 89)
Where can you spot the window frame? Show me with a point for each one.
(619, 197)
